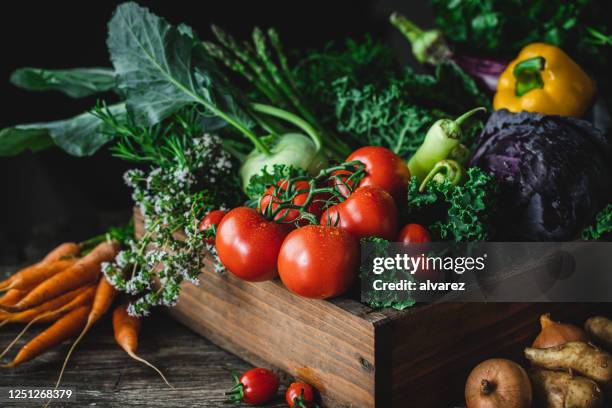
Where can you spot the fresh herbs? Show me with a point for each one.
(459, 213)
(505, 26)
(602, 227)
(171, 198)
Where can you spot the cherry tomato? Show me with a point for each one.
(318, 261)
(256, 386)
(248, 244)
(414, 234)
(384, 169)
(368, 212)
(300, 395)
(289, 215)
(211, 219)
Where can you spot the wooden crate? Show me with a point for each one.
(356, 356)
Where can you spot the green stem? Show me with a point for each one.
(528, 76)
(408, 29)
(291, 118)
(461, 119)
(448, 170)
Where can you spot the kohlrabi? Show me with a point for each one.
(291, 149)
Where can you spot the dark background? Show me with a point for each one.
(51, 196)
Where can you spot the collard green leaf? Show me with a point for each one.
(14, 141)
(81, 135)
(161, 68)
(76, 83)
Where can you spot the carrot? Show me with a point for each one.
(103, 298)
(126, 330)
(60, 331)
(85, 270)
(12, 297)
(49, 312)
(30, 277)
(27, 315)
(65, 250)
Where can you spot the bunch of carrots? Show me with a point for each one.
(67, 289)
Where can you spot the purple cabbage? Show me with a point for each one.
(554, 174)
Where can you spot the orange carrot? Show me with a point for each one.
(67, 249)
(105, 294)
(12, 297)
(60, 331)
(31, 277)
(49, 313)
(27, 315)
(85, 270)
(126, 330)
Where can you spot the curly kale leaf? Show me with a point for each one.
(602, 228)
(398, 300)
(398, 115)
(365, 61)
(384, 118)
(460, 213)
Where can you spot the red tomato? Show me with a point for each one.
(256, 386)
(414, 234)
(384, 169)
(288, 216)
(368, 212)
(248, 244)
(211, 219)
(318, 261)
(300, 395)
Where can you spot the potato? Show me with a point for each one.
(577, 356)
(556, 389)
(600, 329)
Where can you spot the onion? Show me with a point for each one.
(498, 383)
(554, 334)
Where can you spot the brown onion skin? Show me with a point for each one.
(498, 383)
(555, 334)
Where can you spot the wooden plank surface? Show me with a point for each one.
(107, 378)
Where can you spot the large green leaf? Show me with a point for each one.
(76, 82)
(161, 68)
(81, 135)
(14, 141)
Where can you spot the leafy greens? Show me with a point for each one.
(462, 213)
(602, 227)
(75, 82)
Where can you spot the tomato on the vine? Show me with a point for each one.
(212, 219)
(414, 234)
(271, 199)
(256, 386)
(318, 261)
(300, 395)
(368, 212)
(248, 244)
(384, 169)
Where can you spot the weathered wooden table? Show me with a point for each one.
(106, 377)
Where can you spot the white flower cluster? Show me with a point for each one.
(171, 198)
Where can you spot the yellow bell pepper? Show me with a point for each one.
(546, 80)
